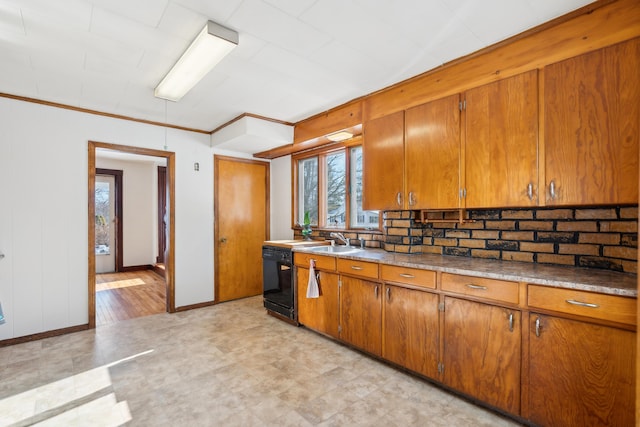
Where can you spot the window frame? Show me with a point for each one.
(321, 153)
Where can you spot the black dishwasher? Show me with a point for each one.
(278, 292)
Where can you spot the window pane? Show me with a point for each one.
(359, 218)
(336, 190)
(308, 190)
(103, 219)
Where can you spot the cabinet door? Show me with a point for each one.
(580, 373)
(501, 143)
(591, 122)
(383, 163)
(321, 314)
(361, 314)
(432, 154)
(482, 352)
(410, 330)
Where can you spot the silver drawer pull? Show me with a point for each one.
(582, 304)
(472, 286)
(407, 276)
(355, 267)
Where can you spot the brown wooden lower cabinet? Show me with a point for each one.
(361, 314)
(321, 314)
(410, 330)
(580, 374)
(482, 353)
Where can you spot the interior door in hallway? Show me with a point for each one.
(241, 202)
(105, 223)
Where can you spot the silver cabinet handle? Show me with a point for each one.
(552, 189)
(412, 201)
(407, 276)
(510, 322)
(463, 193)
(582, 304)
(355, 267)
(530, 191)
(376, 291)
(538, 327)
(399, 198)
(388, 293)
(472, 286)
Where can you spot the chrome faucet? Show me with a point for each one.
(341, 237)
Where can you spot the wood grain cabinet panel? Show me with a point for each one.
(501, 143)
(432, 155)
(410, 330)
(589, 304)
(383, 163)
(580, 374)
(321, 314)
(409, 276)
(482, 352)
(352, 267)
(480, 287)
(361, 314)
(592, 127)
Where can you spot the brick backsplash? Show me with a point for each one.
(605, 238)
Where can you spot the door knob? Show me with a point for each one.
(223, 240)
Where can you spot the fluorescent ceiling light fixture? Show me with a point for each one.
(339, 136)
(212, 44)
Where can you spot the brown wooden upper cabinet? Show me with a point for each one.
(591, 127)
(383, 163)
(501, 143)
(412, 158)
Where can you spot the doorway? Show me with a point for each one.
(241, 205)
(108, 220)
(169, 220)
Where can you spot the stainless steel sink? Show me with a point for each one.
(336, 249)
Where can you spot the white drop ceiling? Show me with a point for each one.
(295, 58)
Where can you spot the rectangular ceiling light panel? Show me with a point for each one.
(212, 44)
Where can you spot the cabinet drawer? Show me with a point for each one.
(590, 304)
(327, 263)
(410, 276)
(358, 268)
(498, 290)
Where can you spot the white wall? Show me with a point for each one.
(140, 209)
(43, 212)
(281, 199)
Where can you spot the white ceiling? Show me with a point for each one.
(295, 58)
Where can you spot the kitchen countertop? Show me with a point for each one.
(294, 243)
(584, 279)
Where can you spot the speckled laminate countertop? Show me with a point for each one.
(585, 279)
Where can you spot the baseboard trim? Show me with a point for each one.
(136, 268)
(194, 306)
(43, 335)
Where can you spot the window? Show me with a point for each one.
(329, 188)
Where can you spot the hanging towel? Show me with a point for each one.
(312, 286)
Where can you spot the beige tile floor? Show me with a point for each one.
(226, 365)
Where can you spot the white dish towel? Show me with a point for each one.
(312, 286)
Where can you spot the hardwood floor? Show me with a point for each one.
(122, 296)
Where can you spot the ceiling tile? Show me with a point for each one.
(147, 12)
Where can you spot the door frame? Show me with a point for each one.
(117, 177)
(216, 211)
(170, 258)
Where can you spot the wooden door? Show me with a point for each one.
(580, 373)
(592, 127)
(383, 163)
(432, 154)
(501, 143)
(320, 314)
(361, 314)
(410, 329)
(482, 352)
(241, 226)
